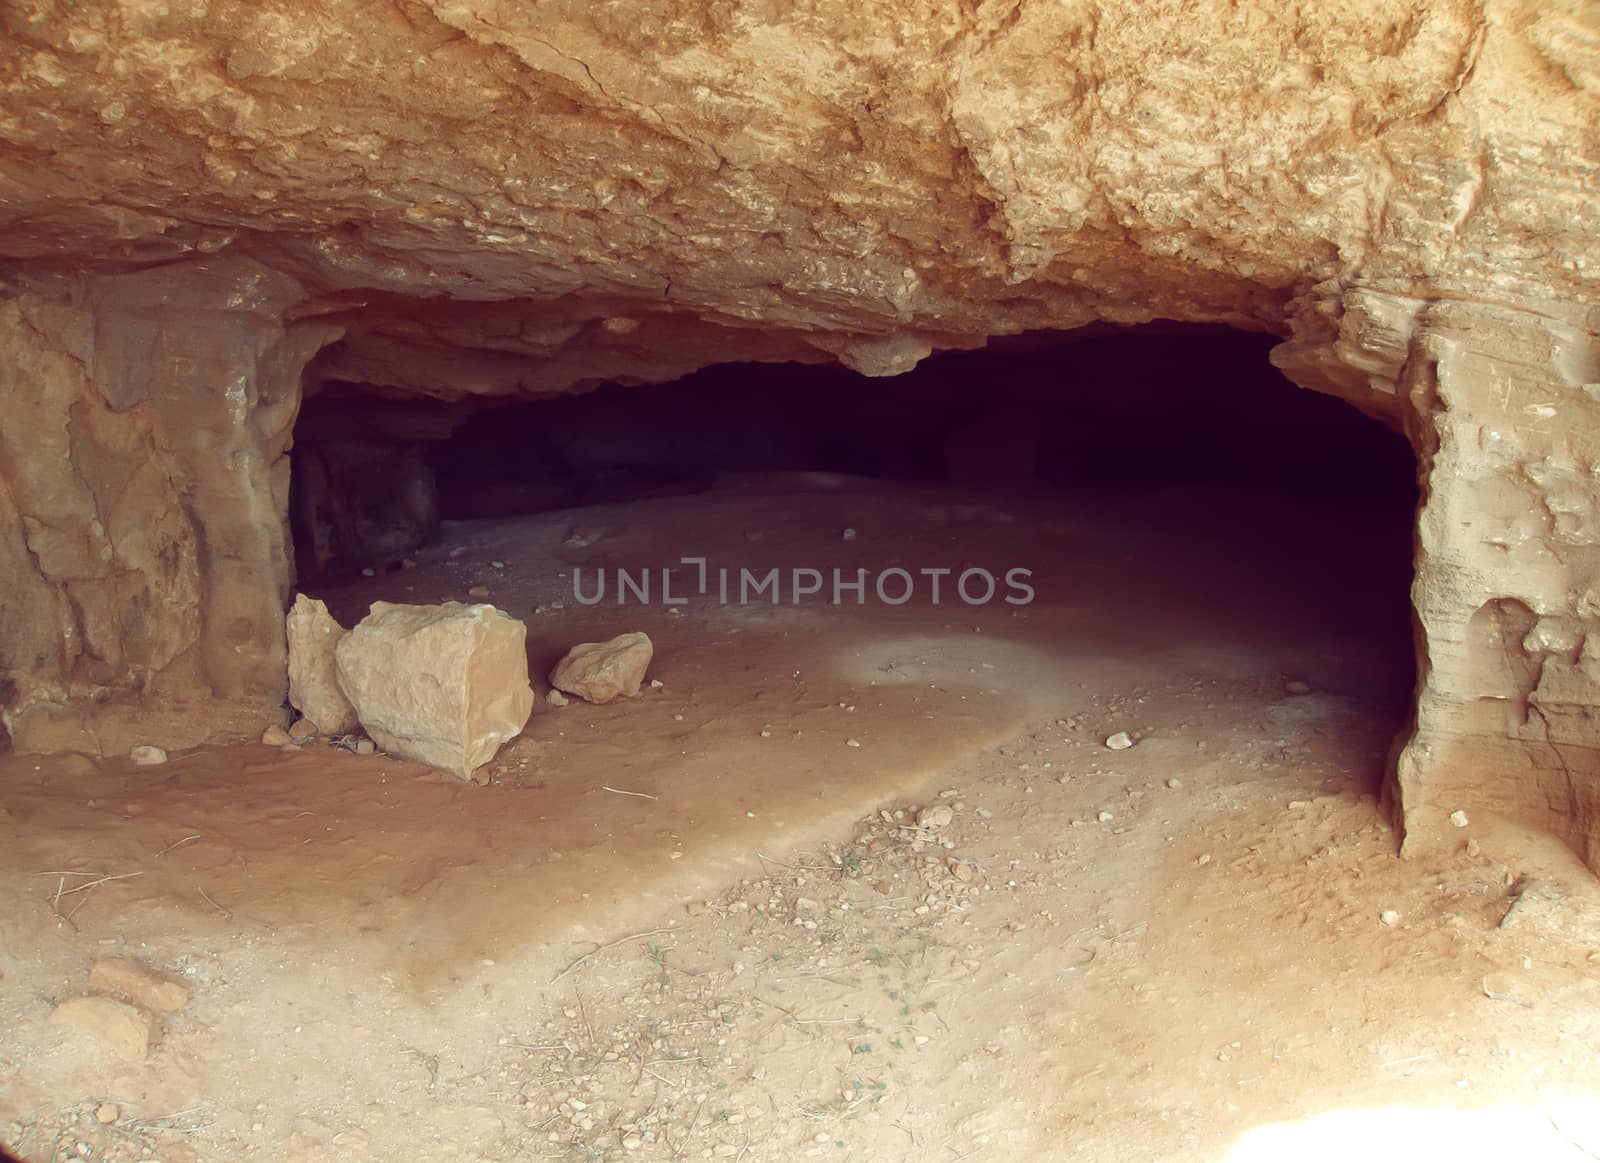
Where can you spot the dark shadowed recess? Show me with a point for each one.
(1136, 408)
(1141, 407)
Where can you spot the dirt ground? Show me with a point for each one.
(852, 883)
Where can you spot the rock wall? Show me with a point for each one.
(480, 197)
(143, 485)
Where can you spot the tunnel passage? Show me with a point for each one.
(1146, 407)
(1236, 488)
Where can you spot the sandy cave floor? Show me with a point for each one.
(1175, 951)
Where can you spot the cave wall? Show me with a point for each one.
(143, 487)
(470, 197)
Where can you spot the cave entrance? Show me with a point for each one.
(1173, 536)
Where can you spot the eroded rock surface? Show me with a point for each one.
(444, 685)
(469, 199)
(122, 1029)
(314, 691)
(599, 672)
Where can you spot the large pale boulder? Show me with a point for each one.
(313, 668)
(444, 685)
(601, 671)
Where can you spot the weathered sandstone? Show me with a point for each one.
(444, 685)
(138, 983)
(206, 212)
(313, 638)
(599, 672)
(122, 1029)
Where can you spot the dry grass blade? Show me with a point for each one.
(602, 948)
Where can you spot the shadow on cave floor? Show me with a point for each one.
(1033, 936)
(864, 869)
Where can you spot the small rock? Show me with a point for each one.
(1202, 860)
(961, 870)
(144, 755)
(1389, 917)
(1459, 819)
(303, 731)
(478, 592)
(1175, 784)
(107, 1113)
(1299, 805)
(599, 672)
(1297, 686)
(121, 1028)
(366, 747)
(556, 699)
(1120, 741)
(849, 535)
(138, 983)
(852, 743)
(275, 736)
(1105, 817)
(938, 816)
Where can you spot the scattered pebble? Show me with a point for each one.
(1105, 817)
(1175, 783)
(107, 1113)
(557, 699)
(656, 684)
(275, 736)
(849, 534)
(1121, 741)
(1459, 818)
(1296, 686)
(146, 755)
(852, 743)
(1389, 917)
(366, 747)
(1203, 859)
(478, 592)
(938, 816)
